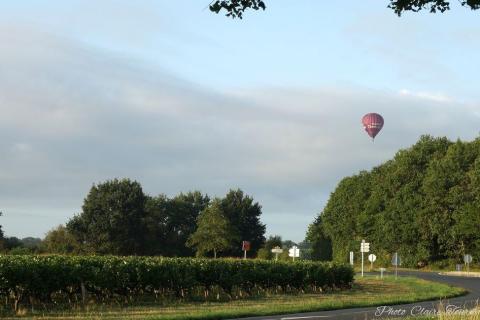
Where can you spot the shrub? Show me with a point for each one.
(60, 279)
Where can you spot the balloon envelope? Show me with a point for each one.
(372, 123)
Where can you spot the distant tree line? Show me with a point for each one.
(424, 203)
(118, 218)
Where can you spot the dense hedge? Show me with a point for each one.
(73, 279)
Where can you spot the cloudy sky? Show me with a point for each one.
(180, 99)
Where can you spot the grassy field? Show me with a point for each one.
(369, 291)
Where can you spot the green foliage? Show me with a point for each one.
(424, 204)
(118, 218)
(244, 216)
(264, 254)
(111, 221)
(266, 251)
(21, 251)
(11, 242)
(321, 244)
(59, 279)
(14, 245)
(169, 222)
(59, 240)
(214, 231)
(236, 8)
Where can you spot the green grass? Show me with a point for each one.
(369, 291)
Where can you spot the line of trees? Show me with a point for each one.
(118, 218)
(424, 203)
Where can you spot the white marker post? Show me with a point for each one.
(351, 258)
(382, 270)
(364, 247)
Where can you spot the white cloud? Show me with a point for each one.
(438, 97)
(83, 116)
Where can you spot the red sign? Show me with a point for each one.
(245, 245)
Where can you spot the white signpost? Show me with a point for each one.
(396, 261)
(372, 258)
(277, 251)
(467, 259)
(364, 247)
(351, 258)
(294, 252)
(382, 270)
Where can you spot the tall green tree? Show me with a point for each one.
(214, 232)
(321, 244)
(423, 203)
(112, 218)
(244, 215)
(59, 240)
(170, 222)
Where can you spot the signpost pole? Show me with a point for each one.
(362, 248)
(467, 259)
(396, 265)
(362, 264)
(245, 248)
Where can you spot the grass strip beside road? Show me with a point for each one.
(368, 291)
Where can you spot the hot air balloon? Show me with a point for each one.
(372, 123)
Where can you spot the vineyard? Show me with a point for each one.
(78, 280)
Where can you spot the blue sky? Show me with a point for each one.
(180, 99)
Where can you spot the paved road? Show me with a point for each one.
(467, 301)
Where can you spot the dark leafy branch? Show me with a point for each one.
(236, 8)
(400, 6)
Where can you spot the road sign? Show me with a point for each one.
(364, 246)
(467, 258)
(277, 251)
(351, 258)
(372, 258)
(245, 248)
(396, 261)
(294, 252)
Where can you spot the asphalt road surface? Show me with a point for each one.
(398, 311)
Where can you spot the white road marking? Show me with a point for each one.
(311, 317)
